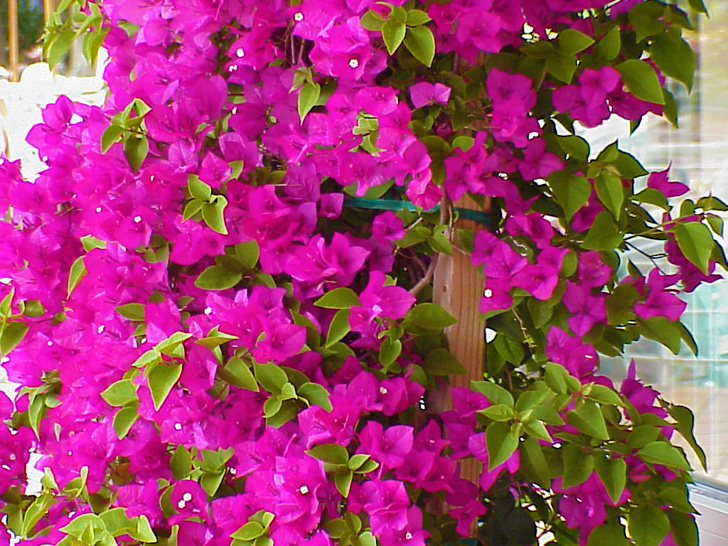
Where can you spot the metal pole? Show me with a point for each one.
(14, 46)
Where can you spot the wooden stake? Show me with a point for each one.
(458, 287)
(13, 43)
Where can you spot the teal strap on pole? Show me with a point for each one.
(393, 204)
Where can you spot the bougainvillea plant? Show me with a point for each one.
(217, 297)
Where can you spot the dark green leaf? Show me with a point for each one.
(575, 146)
(389, 351)
(665, 454)
(501, 442)
(645, 18)
(572, 41)
(673, 56)
(371, 20)
(442, 362)
(217, 277)
(421, 43)
(561, 66)
(603, 235)
(131, 311)
(181, 463)
(236, 372)
(498, 412)
(247, 253)
(315, 394)
(608, 47)
(343, 484)
(685, 423)
(609, 534)
(648, 525)
(613, 473)
(578, 465)
(662, 330)
(271, 377)
(534, 463)
(683, 528)
(509, 349)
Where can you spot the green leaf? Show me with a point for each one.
(338, 328)
(12, 334)
(248, 253)
(271, 377)
(442, 362)
(589, 419)
(494, 393)
(498, 412)
(144, 531)
(575, 146)
(603, 235)
(120, 393)
(534, 463)
(338, 298)
(698, 5)
(665, 454)
(696, 243)
(136, 148)
(161, 380)
(131, 311)
(60, 46)
(645, 18)
(572, 41)
(611, 193)
(501, 442)
(417, 17)
(611, 534)
(236, 372)
(198, 189)
(561, 66)
(641, 80)
(315, 394)
(613, 473)
(648, 525)
(683, 527)
(330, 453)
(685, 422)
(673, 56)
(217, 277)
(249, 531)
(430, 316)
(578, 465)
(555, 377)
(421, 43)
(393, 35)
(371, 20)
(620, 304)
(343, 485)
(213, 214)
(571, 191)
(307, 98)
(609, 45)
(662, 330)
(356, 461)
(77, 271)
(389, 351)
(604, 395)
(181, 463)
(511, 350)
(124, 419)
(111, 135)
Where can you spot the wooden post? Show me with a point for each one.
(13, 43)
(458, 287)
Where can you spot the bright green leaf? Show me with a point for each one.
(589, 419)
(613, 473)
(120, 393)
(12, 334)
(338, 328)
(501, 441)
(161, 380)
(338, 298)
(393, 34)
(611, 193)
(571, 191)
(494, 393)
(421, 43)
(648, 525)
(430, 316)
(641, 80)
(696, 243)
(307, 98)
(578, 465)
(123, 421)
(217, 277)
(136, 148)
(665, 454)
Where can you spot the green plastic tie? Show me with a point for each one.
(393, 204)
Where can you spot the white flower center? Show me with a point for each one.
(137, 219)
(233, 68)
(178, 426)
(98, 209)
(235, 110)
(187, 497)
(354, 63)
(383, 390)
(181, 504)
(408, 535)
(298, 17)
(487, 293)
(208, 310)
(101, 328)
(240, 52)
(303, 490)
(50, 343)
